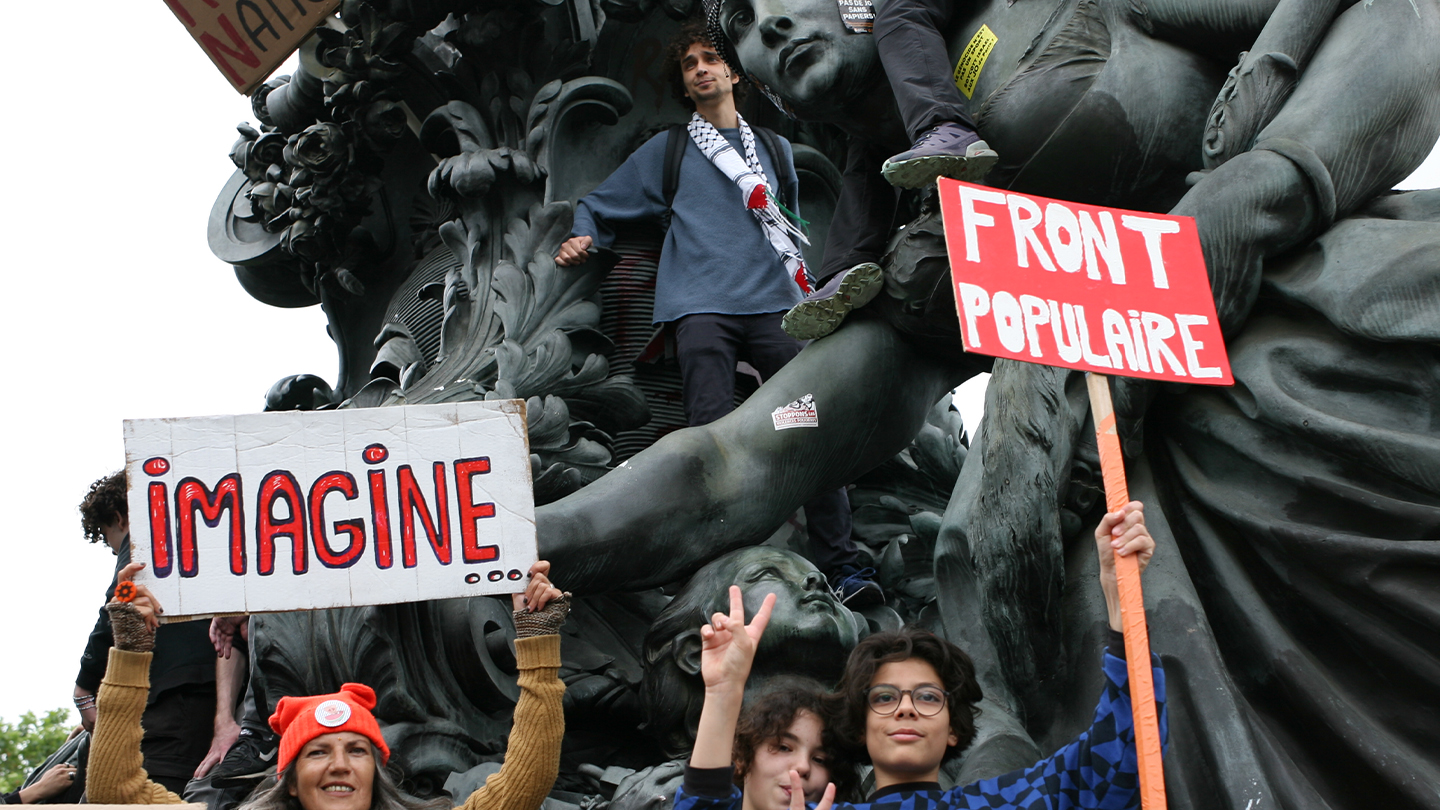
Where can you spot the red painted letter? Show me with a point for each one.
(159, 529)
(218, 50)
(344, 483)
(470, 512)
(380, 517)
(280, 485)
(412, 502)
(191, 495)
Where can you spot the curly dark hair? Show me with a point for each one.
(690, 33)
(849, 704)
(103, 505)
(768, 717)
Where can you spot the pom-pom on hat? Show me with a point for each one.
(298, 720)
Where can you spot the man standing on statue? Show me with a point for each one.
(730, 265)
(810, 48)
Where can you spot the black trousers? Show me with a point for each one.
(178, 727)
(907, 34)
(708, 345)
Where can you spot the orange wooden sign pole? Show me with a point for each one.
(1132, 603)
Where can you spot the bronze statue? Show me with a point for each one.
(1301, 501)
(1074, 108)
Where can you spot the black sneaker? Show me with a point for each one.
(823, 310)
(947, 150)
(857, 590)
(248, 760)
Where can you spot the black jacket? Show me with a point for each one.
(183, 653)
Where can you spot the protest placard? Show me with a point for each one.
(303, 510)
(1081, 286)
(248, 39)
(1105, 291)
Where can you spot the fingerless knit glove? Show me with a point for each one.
(542, 622)
(129, 628)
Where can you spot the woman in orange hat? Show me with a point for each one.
(332, 755)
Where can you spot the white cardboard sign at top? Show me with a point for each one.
(304, 510)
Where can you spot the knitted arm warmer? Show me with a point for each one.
(532, 756)
(116, 774)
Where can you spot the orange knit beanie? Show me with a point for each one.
(298, 720)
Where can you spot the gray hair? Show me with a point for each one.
(385, 793)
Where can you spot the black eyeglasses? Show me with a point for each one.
(885, 699)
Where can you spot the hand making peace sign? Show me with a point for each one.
(728, 644)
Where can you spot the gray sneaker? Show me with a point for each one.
(946, 150)
(823, 310)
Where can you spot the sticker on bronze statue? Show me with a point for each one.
(798, 414)
(972, 61)
(858, 15)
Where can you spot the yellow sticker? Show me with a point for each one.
(967, 70)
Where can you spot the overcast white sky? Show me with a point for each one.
(115, 137)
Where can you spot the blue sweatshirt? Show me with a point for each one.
(1095, 771)
(715, 257)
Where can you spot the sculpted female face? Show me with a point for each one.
(802, 51)
(807, 618)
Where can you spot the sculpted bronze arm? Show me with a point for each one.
(1266, 75)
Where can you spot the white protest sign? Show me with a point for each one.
(304, 510)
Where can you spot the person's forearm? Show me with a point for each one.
(715, 735)
(532, 755)
(227, 689)
(85, 704)
(1112, 605)
(116, 773)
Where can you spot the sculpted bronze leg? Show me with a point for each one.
(700, 492)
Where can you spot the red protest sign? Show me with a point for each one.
(1080, 286)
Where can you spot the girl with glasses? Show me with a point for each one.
(907, 702)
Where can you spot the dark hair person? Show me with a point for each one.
(332, 755)
(855, 695)
(783, 731)
(907, 703)
(104, 508)
(691, 33)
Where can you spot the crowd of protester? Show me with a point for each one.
(904, 705)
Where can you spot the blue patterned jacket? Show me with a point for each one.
(1096, 771)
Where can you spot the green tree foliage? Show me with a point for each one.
(27, 742)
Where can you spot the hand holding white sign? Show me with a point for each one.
(539, 592)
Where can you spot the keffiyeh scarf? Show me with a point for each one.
(785, 237)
